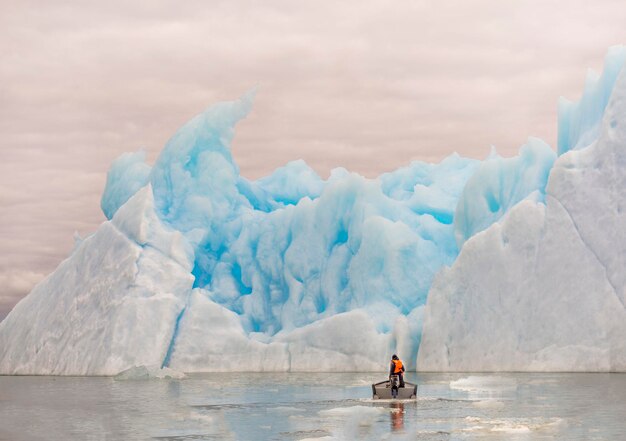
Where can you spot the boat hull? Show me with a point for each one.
(382, 391)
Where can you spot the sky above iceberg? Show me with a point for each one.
(367, 87)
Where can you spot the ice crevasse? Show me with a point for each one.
(201, 269)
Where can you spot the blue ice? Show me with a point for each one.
(292, 248)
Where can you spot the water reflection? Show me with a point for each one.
(397, 416)
(292, 407)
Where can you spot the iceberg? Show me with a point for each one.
(149, 373)
(544, 289)
(199, 269)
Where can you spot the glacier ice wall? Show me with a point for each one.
(545, 288)
(197, 264)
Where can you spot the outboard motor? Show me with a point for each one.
(393, 384)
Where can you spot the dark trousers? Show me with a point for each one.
(401, 378)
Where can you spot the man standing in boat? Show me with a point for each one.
(396, 368)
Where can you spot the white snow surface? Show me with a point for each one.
(545, 288)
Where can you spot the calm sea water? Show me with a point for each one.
(313, 406)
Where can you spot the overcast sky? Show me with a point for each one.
(367, 85)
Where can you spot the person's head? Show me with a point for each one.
(394, 357)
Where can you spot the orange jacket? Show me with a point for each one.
(398, 368)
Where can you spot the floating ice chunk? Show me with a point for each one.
(488, 404)
(149, 372)
(484, 383)
(513, 426)
(320, 438)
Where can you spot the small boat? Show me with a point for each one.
(382, 391)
